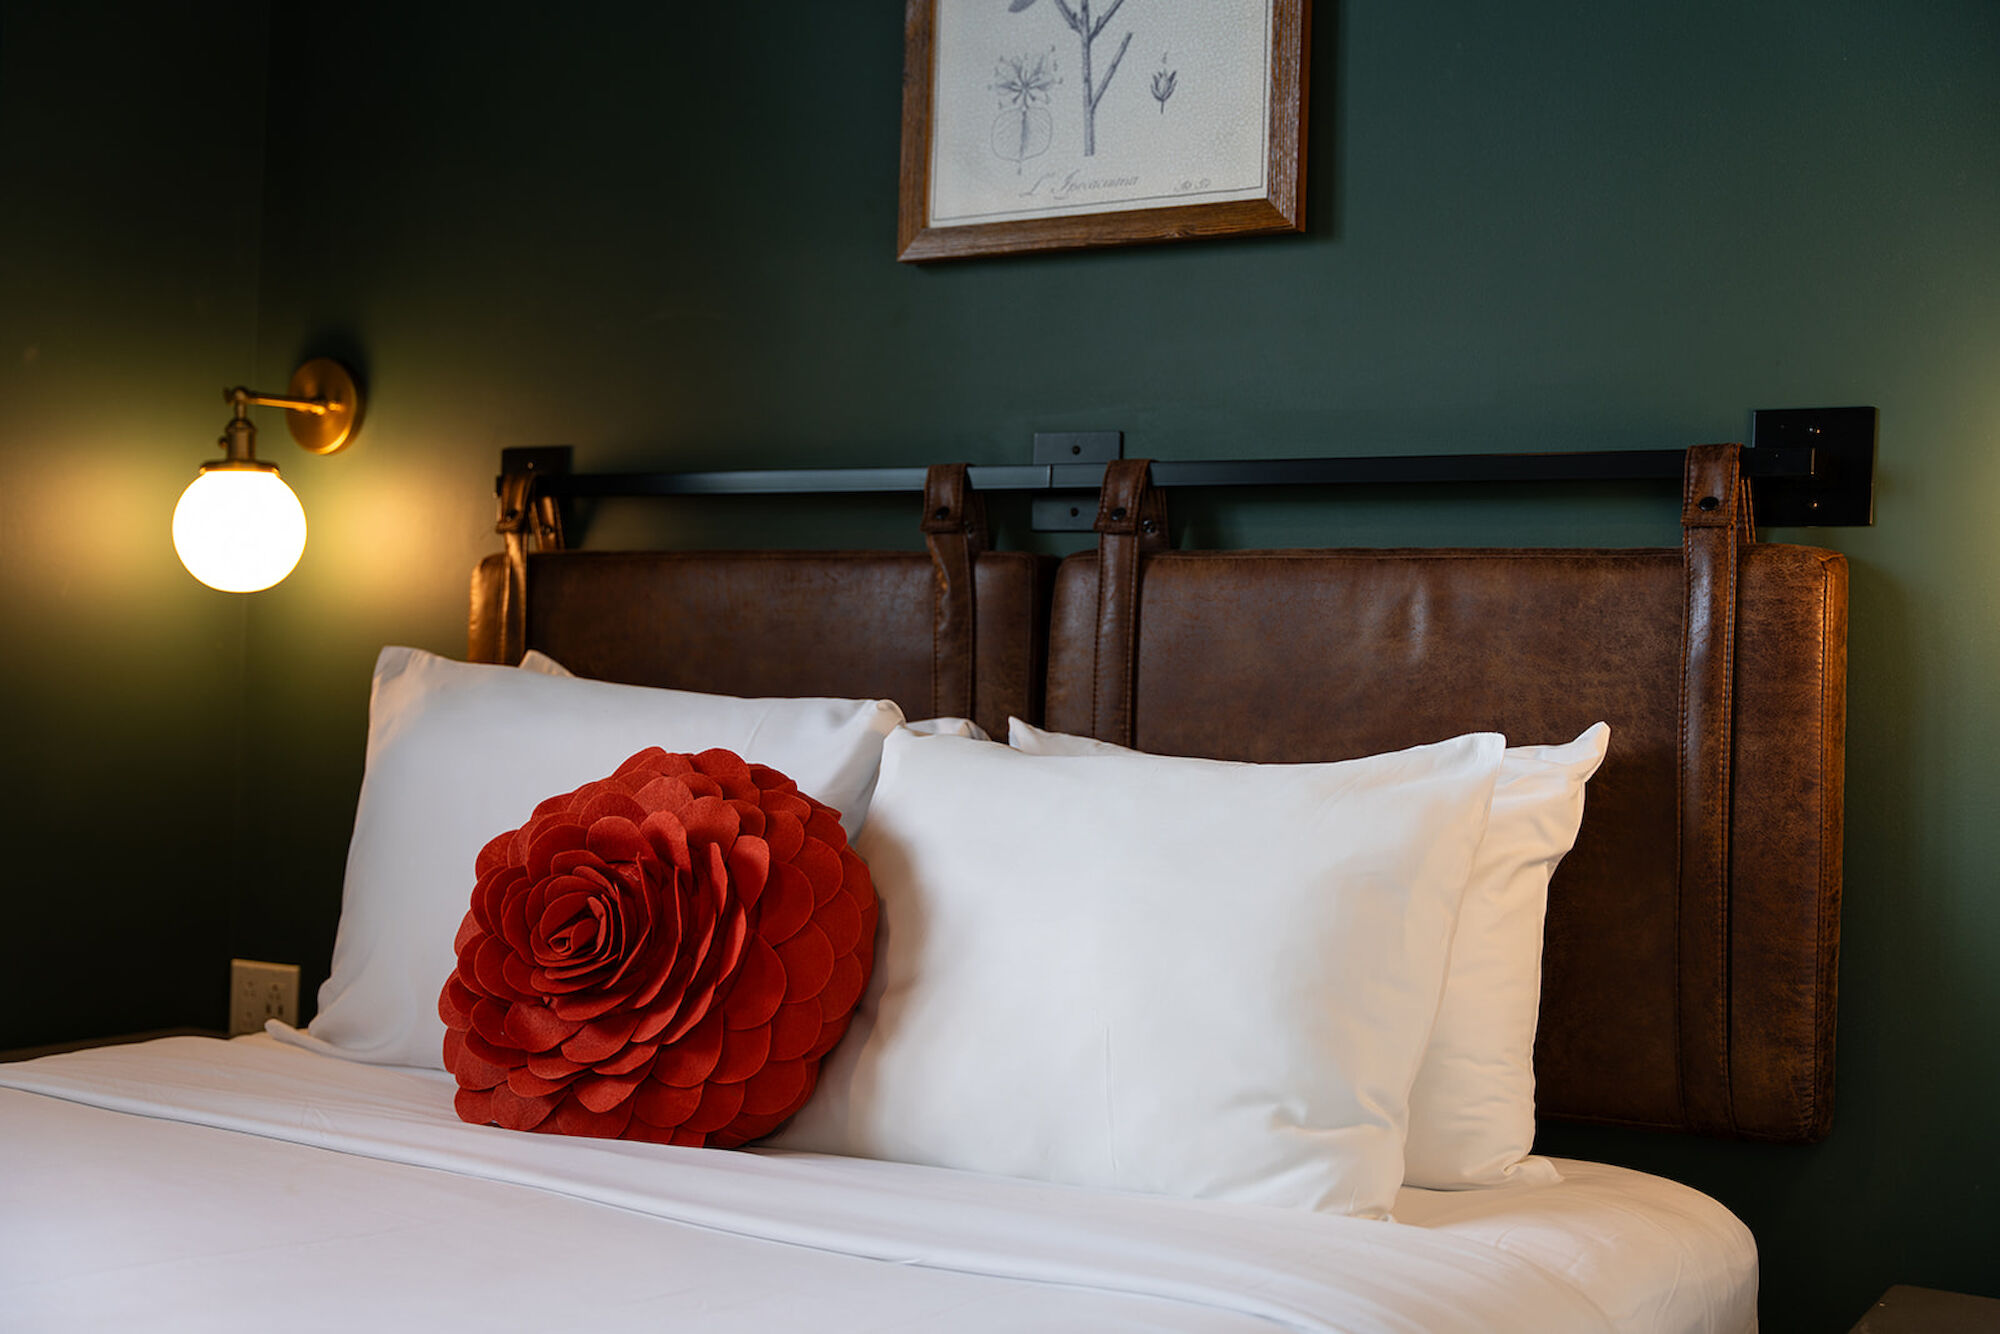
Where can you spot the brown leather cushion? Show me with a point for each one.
(855, 625)
(1301, 656)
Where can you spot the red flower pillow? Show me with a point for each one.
(662, 955)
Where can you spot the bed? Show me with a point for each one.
(1286, 1106)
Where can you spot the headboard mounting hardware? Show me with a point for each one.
(1812, 466)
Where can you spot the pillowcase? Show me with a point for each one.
(1154, 974)
(534, 660)
(1472, 1107)
(661, 955)
(458, 752)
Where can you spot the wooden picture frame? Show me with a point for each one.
(1072, 201)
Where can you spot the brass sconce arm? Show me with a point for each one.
(322, 407)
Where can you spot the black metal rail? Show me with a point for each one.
(1817, 468)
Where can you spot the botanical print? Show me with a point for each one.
(1034, 114)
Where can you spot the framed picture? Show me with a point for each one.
(1058, 124)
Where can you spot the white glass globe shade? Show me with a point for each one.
(239, 529)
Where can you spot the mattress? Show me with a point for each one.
(195, 1184)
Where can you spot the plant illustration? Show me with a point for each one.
(1022, 129)
(1087, 30)
(1163, 84)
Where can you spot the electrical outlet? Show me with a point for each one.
(260, 991)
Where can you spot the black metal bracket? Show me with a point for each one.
(1072, 511)
(542, 460)
(1812, 466)
(1841, 490)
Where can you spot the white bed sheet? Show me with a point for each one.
(191, 1184)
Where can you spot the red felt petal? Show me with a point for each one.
(609, 803)
(553, 1065)
(616, 838)
(486, 966)
(759, 989)
(493, 856)
(830, 1033)
(844, 987)
(667, 835)
(662, 792)
(694, 1009)
(664, 1105)
(533, 1026)
(821, 865)
(719, 1105)
(691, 1060)
(572, 1118)
(474, 1106)
(511, 1111)
(646, 761)
(729, 769)
(471, 1071)
(795, 1029)
(601, 1039)
(750, 819)
(746, 1128)
(785, 831)
(711, 820)
(526, 1084)
(518, 976)
(469, 930)
(749, 866)
(787, 904)
(808, 960)
(790, 801)
(455, 1003)
(489, 1053)
(840, 918)
(779, 1089)
(637, 1056)
(548, 840)
(744, 1051)
(601, 1093)
(824, 825)
(489, 1020)
(566, 863)
(586, 1006)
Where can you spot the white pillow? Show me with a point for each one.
(1472, 1108)
(459, 752)
(534, 660)
(1153, 974)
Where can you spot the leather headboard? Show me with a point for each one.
(1692, 936)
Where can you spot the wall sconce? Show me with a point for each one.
(238, 527)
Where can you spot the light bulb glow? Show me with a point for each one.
(239, 529)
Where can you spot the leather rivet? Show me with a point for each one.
(1149, 527)
(1118, 515)
(1709, 502)
(941, 513)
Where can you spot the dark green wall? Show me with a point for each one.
(129, 185)
(666, 235)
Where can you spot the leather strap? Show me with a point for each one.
(516, 503)
(1715, 525)
(545, 517)
(525, 516)
(1131, 523)
(955, 531)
